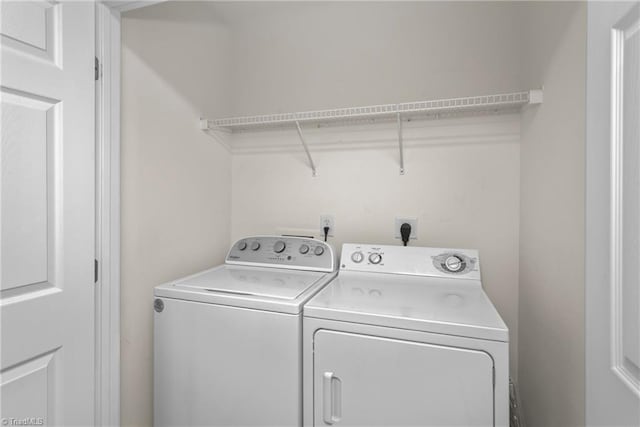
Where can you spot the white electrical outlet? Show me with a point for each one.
(413, 222)
(327, 221)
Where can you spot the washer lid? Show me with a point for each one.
(252, 281)
(447, 306)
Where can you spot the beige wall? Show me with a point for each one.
(464, 194)
(462, 180)
(551, 315)
(175, 180)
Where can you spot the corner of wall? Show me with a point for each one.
(551, 294)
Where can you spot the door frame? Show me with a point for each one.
(107, 304)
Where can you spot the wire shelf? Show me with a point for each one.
(485, 104)
(488, 103)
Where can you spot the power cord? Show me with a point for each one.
(405, 233)
(326, 232)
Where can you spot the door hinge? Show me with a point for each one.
(96, 69)
(95, 271)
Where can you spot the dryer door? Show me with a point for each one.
(362, 380)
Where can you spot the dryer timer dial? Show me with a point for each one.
(454, 263)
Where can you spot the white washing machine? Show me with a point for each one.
(405, 336)
(228, 341)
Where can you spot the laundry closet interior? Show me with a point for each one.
(496, 164)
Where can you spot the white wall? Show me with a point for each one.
(313, 55)
(175, 182)
(551, 316)
(462, 180)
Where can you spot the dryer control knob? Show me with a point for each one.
(319, 250)
(375, 258)
(453, 263)
(242, 245)
(255, 246)
(304, 249)
(357, 257)
(279, 246)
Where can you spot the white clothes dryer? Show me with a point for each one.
(228, 341)
(405, 336)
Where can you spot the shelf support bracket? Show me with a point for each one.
(314, 172)
(400, 144)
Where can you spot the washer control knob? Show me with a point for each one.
(242, 245)
(319, 250)
(304, 249)
(279, 246)
(357, 257)
(375, 258)
(453, 263)
(255, 246)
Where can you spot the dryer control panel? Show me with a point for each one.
(416, 261)
(297, 253)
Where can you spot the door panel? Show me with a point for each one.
(627, 60)
(47, 213)
(27, 144)
(29, 389)
(613, 215)
(361, 380)
(31, 27)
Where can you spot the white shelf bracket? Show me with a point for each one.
(400, 145)
(314, 172)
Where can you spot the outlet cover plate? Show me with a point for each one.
(327, 220)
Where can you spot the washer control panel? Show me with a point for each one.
(417, 261)
(297, 253)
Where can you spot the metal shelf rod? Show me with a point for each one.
(400, 144)
(314, 172)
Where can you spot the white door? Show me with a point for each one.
(361, 380)
(47, 213)
(613, 215)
